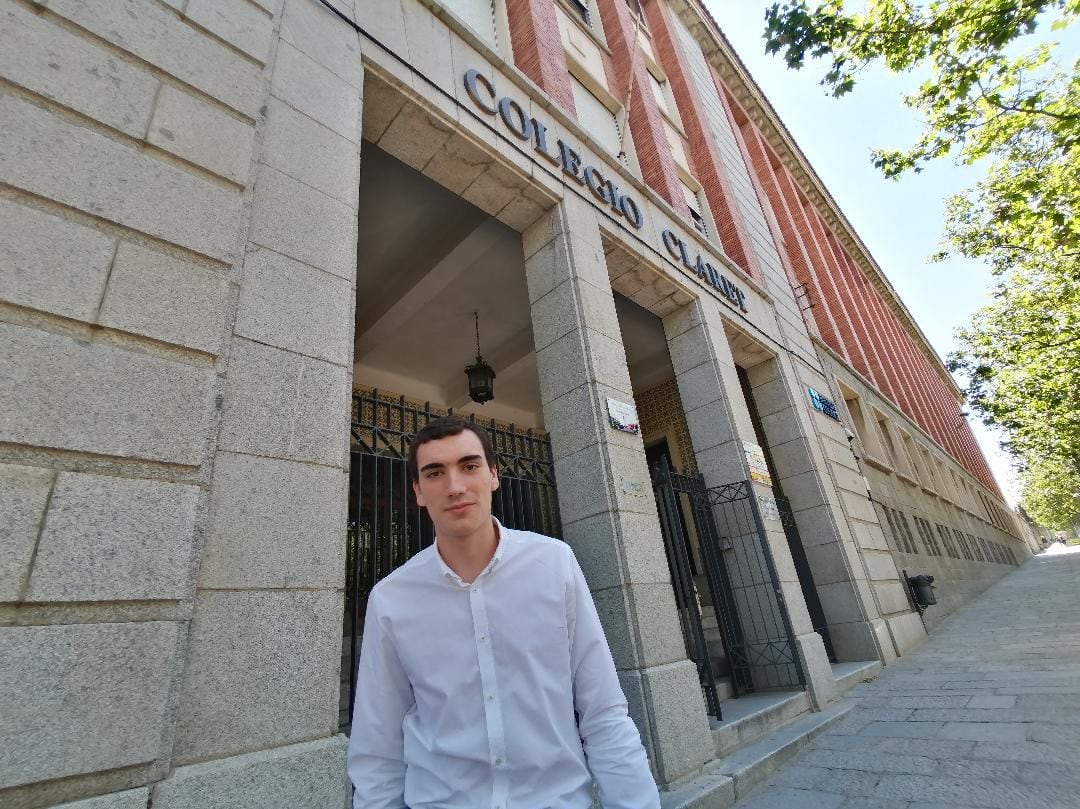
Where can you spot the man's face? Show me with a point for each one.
(455, 484)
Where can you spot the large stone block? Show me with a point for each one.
(320, 35)
(306, 85)
(80, 698)
(274, 524)
(115, 539)
(287, 304)
(683, 742)
(23, 492)
(549, 265)
(294, 219)
(128, 799)
(284, 405)
(52, 264)
(641, 624)
(573, 421)
(166, 298)
(74, 71)
(816, 668)
(309, 152)
(427, 40)
(562, 367)
(700, 386)
(414, 137)
(158, 35)
(300, 775)
(202, 134)
(66, 393)
(615, 549)
(52, 157)
(840, 602)
(239, 24)
(262, 671)
(710, 425)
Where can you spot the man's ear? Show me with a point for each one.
(419, 497)
(494, 478)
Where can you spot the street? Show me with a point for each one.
(985, 714)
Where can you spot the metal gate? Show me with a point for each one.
(386, 527)
(669, 490)
(750, 612)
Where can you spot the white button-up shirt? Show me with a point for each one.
(467, 692)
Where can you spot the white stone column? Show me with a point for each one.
(719, 424)
(605, 496)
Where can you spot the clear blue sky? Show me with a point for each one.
(900, 221)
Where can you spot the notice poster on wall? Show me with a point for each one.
(623, 416)
(755, 459)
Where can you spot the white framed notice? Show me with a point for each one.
(755, 459)
(623, 416)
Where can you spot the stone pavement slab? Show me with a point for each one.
(985, 715)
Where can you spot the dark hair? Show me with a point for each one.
(444, 427)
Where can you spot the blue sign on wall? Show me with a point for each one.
(823, 405)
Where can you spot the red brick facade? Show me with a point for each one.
(538, 48)
(707, 165)
(849, 313)
(645, 122)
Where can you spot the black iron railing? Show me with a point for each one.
(756, 632)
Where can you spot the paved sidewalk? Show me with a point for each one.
(985, 714)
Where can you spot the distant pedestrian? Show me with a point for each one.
(485, 679)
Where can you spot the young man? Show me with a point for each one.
(485, 678)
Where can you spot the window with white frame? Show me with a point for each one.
(662, 93)
(596, 117)
(693, 203)
(582, 9)
(479, 15)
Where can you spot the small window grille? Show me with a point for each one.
(582, 8)
(693, 205)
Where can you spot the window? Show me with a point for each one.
(946, 541)
(887, 440)
(909, 540)
(901, 531)
(871, 446)
(909, 455)
(928, 468)
(662, 92)
(479, 15)
(596, 117)
(962, 542)
(976, 551)
(581, 8)
(927, 534)
(693, 203)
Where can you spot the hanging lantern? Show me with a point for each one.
(481, 375)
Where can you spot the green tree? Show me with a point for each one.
(987, 99)
(1051, 495)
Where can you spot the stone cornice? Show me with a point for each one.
(720, 54)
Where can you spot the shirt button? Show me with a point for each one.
(491, 697)
(483, 637)
(498, 762)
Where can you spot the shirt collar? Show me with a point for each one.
(502, 534)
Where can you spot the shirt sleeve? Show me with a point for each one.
(609, 737)
(376, 759)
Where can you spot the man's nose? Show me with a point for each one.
(455, 482)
